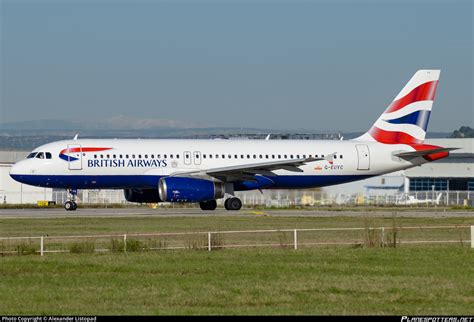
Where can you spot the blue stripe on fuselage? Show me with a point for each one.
(144, 181)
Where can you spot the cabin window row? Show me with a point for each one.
(216, 156)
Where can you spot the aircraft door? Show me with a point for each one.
(197, 157)
(363, 156)
(74, 156)
(187, 157)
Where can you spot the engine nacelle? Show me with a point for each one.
(142, 195)
(180, 189)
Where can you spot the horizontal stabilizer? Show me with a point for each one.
(423, 152)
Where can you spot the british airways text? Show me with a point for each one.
(127, 163)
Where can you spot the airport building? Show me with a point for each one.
(454, 176)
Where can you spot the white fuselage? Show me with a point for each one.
(128, 163)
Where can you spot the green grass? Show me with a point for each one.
(79, 226)
(400, 281)
(413, 280)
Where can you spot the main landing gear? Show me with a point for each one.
(208, 205)
(233, 203)
(71, 204)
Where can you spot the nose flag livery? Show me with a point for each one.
(67, 154)
(205, 170)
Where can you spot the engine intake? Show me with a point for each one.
(180, 189)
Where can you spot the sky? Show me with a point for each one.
(324, 65)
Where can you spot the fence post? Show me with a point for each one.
(42, 246)
(209, 246)
(383, 236)
(472, 236)
(124, 243)
(296, 239)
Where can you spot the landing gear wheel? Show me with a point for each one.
(208, 205)
(70, 205)
(233, 204)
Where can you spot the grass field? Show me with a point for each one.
(413, 280)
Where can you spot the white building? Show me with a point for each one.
(13, 192)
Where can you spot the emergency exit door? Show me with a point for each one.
(363, 155)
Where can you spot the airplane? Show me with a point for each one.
(411, 200)
(201, 171)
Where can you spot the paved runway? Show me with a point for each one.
(196, 212)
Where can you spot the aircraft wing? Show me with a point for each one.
(423, 152)
(247, 171)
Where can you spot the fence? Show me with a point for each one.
(284, 238)
(269, 198)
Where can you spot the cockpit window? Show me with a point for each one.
(40, 155)
(31, 155)
(48, 155)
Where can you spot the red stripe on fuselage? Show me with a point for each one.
(84, 150)
(424, 92)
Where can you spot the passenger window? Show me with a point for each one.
(126, 156)
(273, 156)
(121, 157)
(48, 155)
(335, 156)
(95, 156)
(210, 156)
(139, 156)
(217, 156)
(133, 156)
(146, 156)
(236, 156)
(177, 156)
(229, 156)
(241, 156)
(340, 157)
(248, 156)
(254, 156)
(115, 156)
(203, 156)
(164, 156)
(297, 156)
(108, 156)
(171, 156)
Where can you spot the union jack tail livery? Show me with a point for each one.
(405, 120)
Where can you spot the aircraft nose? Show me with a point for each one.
(16, 172)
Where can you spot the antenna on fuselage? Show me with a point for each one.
(267, 137)
(75, 136)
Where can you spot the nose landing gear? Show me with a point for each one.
(71, 205)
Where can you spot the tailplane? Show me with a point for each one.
(406, 119)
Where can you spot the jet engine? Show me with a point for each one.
(181, 189)
(142, 195)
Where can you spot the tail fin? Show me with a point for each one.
(406, 118)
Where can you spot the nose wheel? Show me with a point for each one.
(233, 203)
(71, 204)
